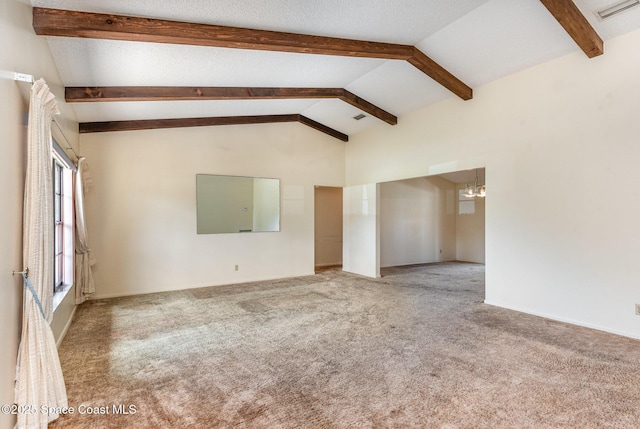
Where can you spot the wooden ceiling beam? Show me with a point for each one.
(174, 93)
(56, 22)
(574, 23)
(364, 105)
(322, 128)
(422, 62)
(150, 124)
(179, 93)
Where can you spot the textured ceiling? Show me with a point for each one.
(476, 40)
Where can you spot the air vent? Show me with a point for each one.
(617, 8)
(360, 116)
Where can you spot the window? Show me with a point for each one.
(63, 231)
(58, 230)
(466, 205)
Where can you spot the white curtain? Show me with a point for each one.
(84, 256)
(39, 381)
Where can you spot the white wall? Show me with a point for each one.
(470, 232)
(417, 221)
(141, 212)
(328, 226)
(560, 145)
(361, 230)
(22, 51)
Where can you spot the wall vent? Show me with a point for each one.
(617, 8)
(360, 116)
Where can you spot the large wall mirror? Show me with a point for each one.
(228, 204)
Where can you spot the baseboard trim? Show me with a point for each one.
(635, 336)
(337, 264)
(66, 326)
(97, 297)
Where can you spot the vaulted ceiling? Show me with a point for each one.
(149, 64)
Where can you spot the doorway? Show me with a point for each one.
(328, 226)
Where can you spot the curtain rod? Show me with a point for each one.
(23, 77)
(55, 121)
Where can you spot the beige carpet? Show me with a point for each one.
(414, 349)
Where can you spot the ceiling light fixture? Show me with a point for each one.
(617, 8)
(475, 190)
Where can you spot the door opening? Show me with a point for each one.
(328, 227)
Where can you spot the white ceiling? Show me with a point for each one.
(476, 40)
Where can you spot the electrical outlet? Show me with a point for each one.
(638, 309)
(236, 268)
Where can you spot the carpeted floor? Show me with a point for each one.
(414, 349)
